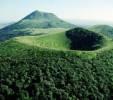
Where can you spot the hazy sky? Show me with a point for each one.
(12, 10)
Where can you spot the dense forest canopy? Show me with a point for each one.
(30, 73)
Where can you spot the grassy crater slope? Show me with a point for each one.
(29, 72)
(59, 41)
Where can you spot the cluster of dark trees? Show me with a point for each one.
(82, 39)
(56, 76)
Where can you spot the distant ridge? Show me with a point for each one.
(36, 19)
(104, 29)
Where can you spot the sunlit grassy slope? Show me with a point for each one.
(53, 41)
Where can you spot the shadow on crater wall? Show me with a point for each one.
(82, 39)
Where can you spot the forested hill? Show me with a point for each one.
(35, 20)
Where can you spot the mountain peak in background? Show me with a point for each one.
(38, 19)
(35, 20)
(39, 15)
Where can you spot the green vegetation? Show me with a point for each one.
(43, 67)
(31, 73)
(104, 29)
